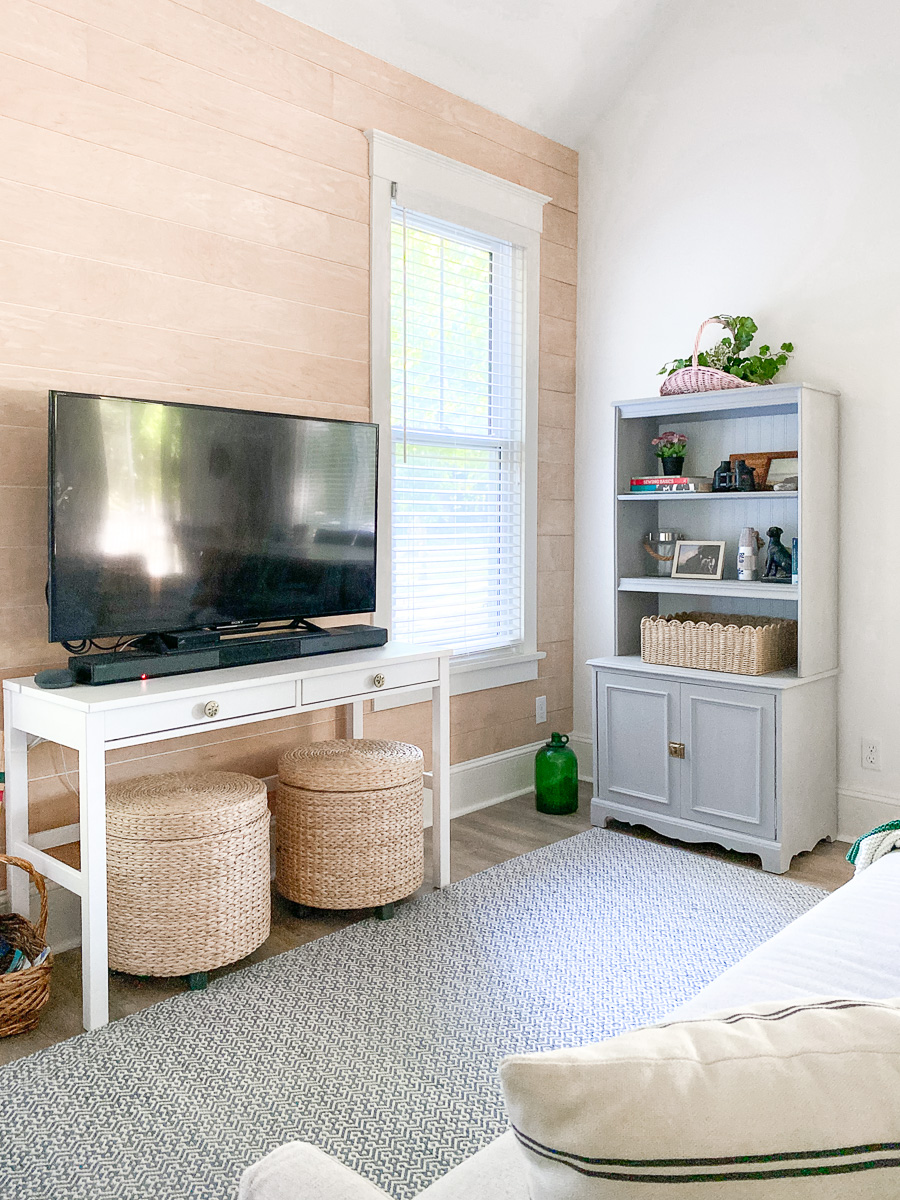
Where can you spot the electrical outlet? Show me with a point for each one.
(871, 754)
(540, 710)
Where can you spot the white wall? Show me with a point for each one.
(752, 166)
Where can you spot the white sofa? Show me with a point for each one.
(848, 945)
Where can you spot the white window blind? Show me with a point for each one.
(457, 329)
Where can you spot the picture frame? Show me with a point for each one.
(698, 558)
(761, 462)
(781, 469)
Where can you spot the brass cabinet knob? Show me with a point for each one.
(211, 708)
(676, 749)
(378, 681)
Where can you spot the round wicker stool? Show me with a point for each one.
(348, 832)
(187, 872)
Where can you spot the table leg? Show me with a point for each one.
(440, 772)
(16, 804)
(356, 719)
(92, 811)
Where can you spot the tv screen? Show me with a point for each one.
(180, 516)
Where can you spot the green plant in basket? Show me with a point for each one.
(728, 355)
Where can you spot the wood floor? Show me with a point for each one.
(479, 840)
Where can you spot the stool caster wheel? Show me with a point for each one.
(384, 912)
(198, 980)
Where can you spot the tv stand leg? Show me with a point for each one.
(440, 777)
(355, 713)
(17, 812)
(92, 813)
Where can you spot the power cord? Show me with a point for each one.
(83, 645)
(66, 772)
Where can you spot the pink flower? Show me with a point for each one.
(670, 439)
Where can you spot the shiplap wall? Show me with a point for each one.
(184, 216)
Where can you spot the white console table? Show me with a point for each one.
(93, 720)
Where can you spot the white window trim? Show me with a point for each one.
(427, 182)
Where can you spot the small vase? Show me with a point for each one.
(672, 464)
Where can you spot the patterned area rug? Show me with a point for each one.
(380, 1043)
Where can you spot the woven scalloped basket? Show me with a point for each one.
(700, 379)
(720, 642)
(187, 871)
(348, 832)
(24, 993)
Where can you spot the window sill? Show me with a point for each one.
(473, 675)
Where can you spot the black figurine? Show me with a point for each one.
(778, 558)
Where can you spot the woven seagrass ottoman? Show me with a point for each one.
(348, 824)
(187, 872)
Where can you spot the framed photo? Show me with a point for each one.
(698, 560)
(770, 466)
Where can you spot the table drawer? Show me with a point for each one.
(213, 709)
(368, 681)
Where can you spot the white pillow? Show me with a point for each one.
(770, 1102)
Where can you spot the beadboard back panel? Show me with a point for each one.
(184, 216)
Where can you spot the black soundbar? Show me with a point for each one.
(127, 665)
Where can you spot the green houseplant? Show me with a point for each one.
(726, 364)
(669, 449)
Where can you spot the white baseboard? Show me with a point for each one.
(481, 782)
(859, 811)
(583, 747)
(475, 784)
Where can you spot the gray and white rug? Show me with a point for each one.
(380, 1043)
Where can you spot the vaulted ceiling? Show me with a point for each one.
(552, 67)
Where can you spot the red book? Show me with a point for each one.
(652, 479)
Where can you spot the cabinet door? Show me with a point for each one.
(637, 717)
(728, 776)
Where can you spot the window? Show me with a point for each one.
(456, 436)
(455, 269)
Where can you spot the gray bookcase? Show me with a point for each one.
(748, 762)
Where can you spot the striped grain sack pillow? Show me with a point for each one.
(770, 1102)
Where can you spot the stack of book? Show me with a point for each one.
(12, 960)
(672, 483)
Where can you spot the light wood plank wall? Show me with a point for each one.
(184, 216)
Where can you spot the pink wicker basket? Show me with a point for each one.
(701, 379)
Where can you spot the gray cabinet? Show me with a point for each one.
(699, 756)
(705, 754)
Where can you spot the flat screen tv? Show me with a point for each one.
(180, 516)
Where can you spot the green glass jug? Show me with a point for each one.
(556, 777)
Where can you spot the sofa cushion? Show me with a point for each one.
(497, 1172)
(299, 1171)
(846, 945)
(782, 1101)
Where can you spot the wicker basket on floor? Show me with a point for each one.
(187, 871)
(348, 827)
(24, 993)
(720, 642)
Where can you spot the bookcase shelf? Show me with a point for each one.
(716, 496)
(733, 588)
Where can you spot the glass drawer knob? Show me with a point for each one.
(379, 680)
(211, 708)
